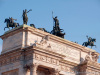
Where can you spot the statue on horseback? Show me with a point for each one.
(90, 42)
(25, 18)
(56, 29)
(10, 23)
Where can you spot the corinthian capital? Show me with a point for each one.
(34, 66)
(55, 72)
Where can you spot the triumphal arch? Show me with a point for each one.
(30, 51)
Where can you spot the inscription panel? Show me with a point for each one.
(71, 53)
(33, 38)
(12, 41)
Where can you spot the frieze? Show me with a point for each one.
(48, 44)
(92, 72)
(10, 60)
(43, 58)
(68, 69)
(95, 64)
(70, 52)
(46, 59)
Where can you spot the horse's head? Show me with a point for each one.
(6, 20)
(94, 40)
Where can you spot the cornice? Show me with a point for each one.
(91, 64)
(46, 51)
(10, 53)
(50, 53)
(42, 33)
(58, 39)
(68, 62)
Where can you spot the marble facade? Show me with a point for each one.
(29, 51)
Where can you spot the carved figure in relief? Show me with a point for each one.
(87, 58)
(49, 46)
(94, 56)
(44, 40)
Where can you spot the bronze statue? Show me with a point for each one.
(56, 29)
(56, 23)
(89, 39)
(90, 42)
(12, 20)
(25, 18)
(32, 25)
(10, 23)
(43, 29)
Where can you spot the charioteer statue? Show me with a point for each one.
(90, 42)
(10, 23)
(56, 29)
(25, 18)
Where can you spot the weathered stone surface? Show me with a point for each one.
(24, 47)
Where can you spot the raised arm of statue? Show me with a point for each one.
(87, 37)
(29, 10)
(15, 19)
(53, 18)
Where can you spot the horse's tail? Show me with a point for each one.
(95, 46)
(18, 24)
(83, 44)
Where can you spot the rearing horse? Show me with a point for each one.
(9, 24)
(91, 43)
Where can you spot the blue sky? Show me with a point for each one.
(78, 18)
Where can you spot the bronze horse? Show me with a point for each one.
(91, 43)
(9, 24)
(56, 29)
(58, 32)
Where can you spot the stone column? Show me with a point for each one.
(28, 72)
(33, 69)
(26, 69)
